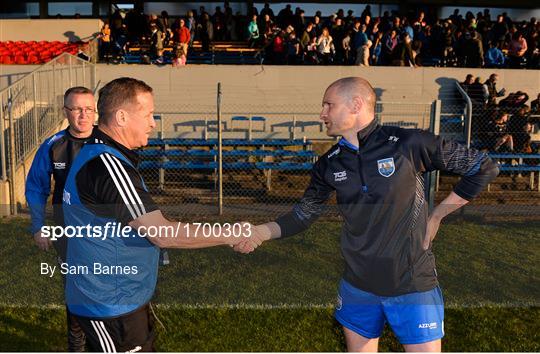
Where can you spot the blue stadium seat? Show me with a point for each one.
(284, 166)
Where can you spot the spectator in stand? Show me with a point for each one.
(311, 56)
(266, 26)
(179, 58)
(497, 136)
(306, 36)
(278, 48)
(516, 50)
(359, 39)
(267, 11)
(402, 55)
(156, 43)
(293, 49)
(325, 46)
(514, 101)
(191, 25)
(376, 48)
(206, 32)
(338, 32)
(182, 36)
(253, 32)
(389, 42)
(284, 17)
(520, 128)
(499, 31)
(218, 20)
(535, 105)
(105, 42)
(116, 22)
(346, 44)
(363, 55)
(472, 50)
(494, 57)
(493, 92)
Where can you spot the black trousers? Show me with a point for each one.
(133, 332)
(75, 335)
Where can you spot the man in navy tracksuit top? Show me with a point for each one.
(377, 174)
(115, 273)
(54, 157)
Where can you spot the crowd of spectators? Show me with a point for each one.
(503, 125)
(289, 37)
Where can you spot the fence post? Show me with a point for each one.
(84, 74)
(468, 123)
(35, 111)
(220, 152)
(433, 177)
(3, 154)
(70, 70)
(293, 128)
(12, 162)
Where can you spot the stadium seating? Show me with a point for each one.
(32, 52)
(516, 163)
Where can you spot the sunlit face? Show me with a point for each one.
(80, 111)
(337, 114)
(141, 121)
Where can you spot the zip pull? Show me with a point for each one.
(364, 189)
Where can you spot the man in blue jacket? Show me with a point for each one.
(377, 174)
(54, 158)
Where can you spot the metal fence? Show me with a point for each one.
(267, 156)
(509, 132)
(30, 110)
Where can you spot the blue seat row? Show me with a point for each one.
(175, 165)
(227, 142)
(229, 153)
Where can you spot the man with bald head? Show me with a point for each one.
(377, 174)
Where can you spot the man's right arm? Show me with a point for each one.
(303, 214)
(188, 236)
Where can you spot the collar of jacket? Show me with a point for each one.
(366, 132)
(362, 137)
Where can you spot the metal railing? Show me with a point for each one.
(468, 113)
(30, 110)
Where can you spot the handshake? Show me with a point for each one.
(259, 234)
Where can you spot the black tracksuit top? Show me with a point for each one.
(380, 194)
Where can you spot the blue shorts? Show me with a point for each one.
(415, 318)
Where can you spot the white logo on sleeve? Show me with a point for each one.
(431, 325)
(134, 350)
(59, 165)
(340, 176)
(334, 153)
(393, 139)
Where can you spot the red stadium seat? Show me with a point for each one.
(33, 59)
(20, 59)
(6, 59)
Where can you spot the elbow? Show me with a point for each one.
(492, 171)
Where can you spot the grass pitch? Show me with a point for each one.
(280, 298)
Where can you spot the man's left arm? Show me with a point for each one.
(476, 168)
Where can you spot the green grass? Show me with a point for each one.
(280, 297)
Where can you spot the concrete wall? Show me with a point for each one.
(9, 74)
(48, 29)
(273, 87)
(187, 95)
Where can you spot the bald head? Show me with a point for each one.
(351, 87)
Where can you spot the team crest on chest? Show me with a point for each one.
(386, 167)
